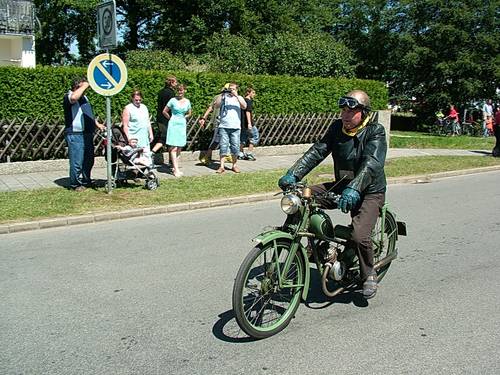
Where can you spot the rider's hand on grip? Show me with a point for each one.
(349, 199)
(286, 181)
(333, 199)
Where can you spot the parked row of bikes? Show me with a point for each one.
(450, 127)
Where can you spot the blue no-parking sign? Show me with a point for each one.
(107, 74)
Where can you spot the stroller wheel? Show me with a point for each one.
(152, 184)
(121, 182)
(108, 187)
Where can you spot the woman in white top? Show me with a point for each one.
(136, 123)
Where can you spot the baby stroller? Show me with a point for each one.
(122, 166)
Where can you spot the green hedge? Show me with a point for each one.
(38, 92)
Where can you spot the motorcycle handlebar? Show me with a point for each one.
(330, 199)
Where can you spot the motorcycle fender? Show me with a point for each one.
(401, 228)
(274, 234)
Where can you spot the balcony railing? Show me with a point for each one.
(17, 17)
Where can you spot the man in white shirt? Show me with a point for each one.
(487, 114)
(229, 104)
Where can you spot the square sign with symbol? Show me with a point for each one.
(106, 24)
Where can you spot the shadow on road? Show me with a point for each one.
(226, 329)
(320, 300)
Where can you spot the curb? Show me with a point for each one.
(182, 207)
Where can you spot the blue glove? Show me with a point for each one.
(287, 180)
(349, 199)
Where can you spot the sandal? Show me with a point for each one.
(235, 169)
(220, 170)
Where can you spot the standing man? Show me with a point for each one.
(80, 125)
(249, 132)
(496, 133)
(487, 114)
(164, 95)
(229, 104)
(358, 148)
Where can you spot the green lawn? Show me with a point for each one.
(423, 140)
(44, 203)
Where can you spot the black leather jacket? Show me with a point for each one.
(358, 161)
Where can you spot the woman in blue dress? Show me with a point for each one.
(177, 110)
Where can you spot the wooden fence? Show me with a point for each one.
(42, 139)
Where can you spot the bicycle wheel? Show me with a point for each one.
(263, 308)
(385, 244)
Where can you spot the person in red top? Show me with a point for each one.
(455, 119)
(496, 132)
(497, 117)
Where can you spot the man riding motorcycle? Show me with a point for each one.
(358, 147)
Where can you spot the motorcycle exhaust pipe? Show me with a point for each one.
(324, 281)
(385, 261)
(328, 266)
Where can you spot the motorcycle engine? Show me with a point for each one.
(337, 271)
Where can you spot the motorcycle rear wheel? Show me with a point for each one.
(388, 245)
(263, 308)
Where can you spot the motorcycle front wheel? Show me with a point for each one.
(262, 307)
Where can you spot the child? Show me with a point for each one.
(135, 154)
(489, 124)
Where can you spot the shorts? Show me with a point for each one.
(253, 138)
(229, 141)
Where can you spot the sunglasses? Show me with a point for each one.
(352, 103)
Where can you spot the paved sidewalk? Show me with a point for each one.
(267, 158)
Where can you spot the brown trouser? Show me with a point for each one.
(364, 219)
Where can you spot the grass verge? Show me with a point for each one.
(45, 203)
(423, 140)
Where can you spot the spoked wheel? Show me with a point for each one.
(262, 307)
(384, 245)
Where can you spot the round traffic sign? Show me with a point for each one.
(107, 74)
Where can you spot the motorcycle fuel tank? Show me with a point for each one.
(321, 225)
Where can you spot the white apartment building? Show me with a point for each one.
(17, 39)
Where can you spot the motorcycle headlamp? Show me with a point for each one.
(290, 204)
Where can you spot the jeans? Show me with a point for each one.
(81, 158)
(253, 138)
(229, 138)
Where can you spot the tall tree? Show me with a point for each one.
(136, 17)
(366, 27)
(448, 52)
(63, 23)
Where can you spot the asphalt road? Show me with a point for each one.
(153, 295)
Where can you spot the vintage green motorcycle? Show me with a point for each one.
(276, 274)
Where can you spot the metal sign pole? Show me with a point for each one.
(108, 144)
(104, 77)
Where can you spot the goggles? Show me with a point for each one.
(347, 101)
